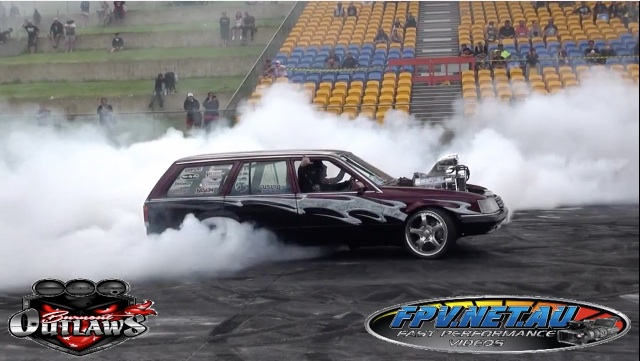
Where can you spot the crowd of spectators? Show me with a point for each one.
(244, 28)
(276, 70)
(61, 33)
(500, 58)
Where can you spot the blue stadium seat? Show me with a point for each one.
(298, 78)
(313, 78)
(330, 77)
(375, 75)
(359, 76)
(344, 77)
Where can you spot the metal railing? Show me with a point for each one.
(270, 51)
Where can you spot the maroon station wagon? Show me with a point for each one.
(321, 197)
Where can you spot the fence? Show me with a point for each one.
(251, 80)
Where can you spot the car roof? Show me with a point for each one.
(261, 154)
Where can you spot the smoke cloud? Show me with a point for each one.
(71, 201)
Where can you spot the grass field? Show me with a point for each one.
(199, 86)
(261, 23)
(96, 56)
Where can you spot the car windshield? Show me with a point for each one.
(374, 174)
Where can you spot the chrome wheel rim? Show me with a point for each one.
(426, 233)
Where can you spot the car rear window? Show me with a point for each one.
(200, 181)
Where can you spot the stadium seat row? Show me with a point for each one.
(369, 92)
(573, 36)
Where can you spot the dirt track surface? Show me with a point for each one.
(315, 310)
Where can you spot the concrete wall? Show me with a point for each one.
(165, 39)
(88, 105)
(125, 70)
(153, 14)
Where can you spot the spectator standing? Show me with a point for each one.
(583, 10)
(70, 32)
(633, 13)
(37, 18)
(14, 11)
(117, 44)
(192, 107)
(600, 12)
(490, 33)
(351, 10)
(158, 90)
(3, 16)
(170, 81)
(620, 11)
(225, 24)
(338, 12)
(32, 35)
(211, 110)
(105, 115)
(56, 33)
(104, 13)
(85, 7)
(532, 61)
(248, 26)
(507, 31)
(119, 11)
(237, 28)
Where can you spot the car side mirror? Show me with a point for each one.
(360, 188)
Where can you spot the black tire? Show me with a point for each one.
(439, 233)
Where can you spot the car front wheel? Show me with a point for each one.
(430, 233)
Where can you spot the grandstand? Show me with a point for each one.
(391, 75)
(370, 92)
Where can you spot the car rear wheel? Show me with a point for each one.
(430, 233)
(221, 225)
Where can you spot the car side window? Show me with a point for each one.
(261, 178)
(333, 176)
(200, 181)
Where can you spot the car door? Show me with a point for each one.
(192, 189)
(338, 216)
(262, 194)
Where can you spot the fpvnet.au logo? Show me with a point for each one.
(498, 324)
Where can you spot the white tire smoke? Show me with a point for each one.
(71, 202)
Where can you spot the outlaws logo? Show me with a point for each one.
(80, 317)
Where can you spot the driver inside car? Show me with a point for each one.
(312, 176)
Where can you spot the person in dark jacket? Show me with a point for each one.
(32, 35)
(211, 113)
(192, 107)
(170, 81)
(312, 177)
(117, 43)
(158, 91)
(350, 62)
(56, 33)
(105, 115)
